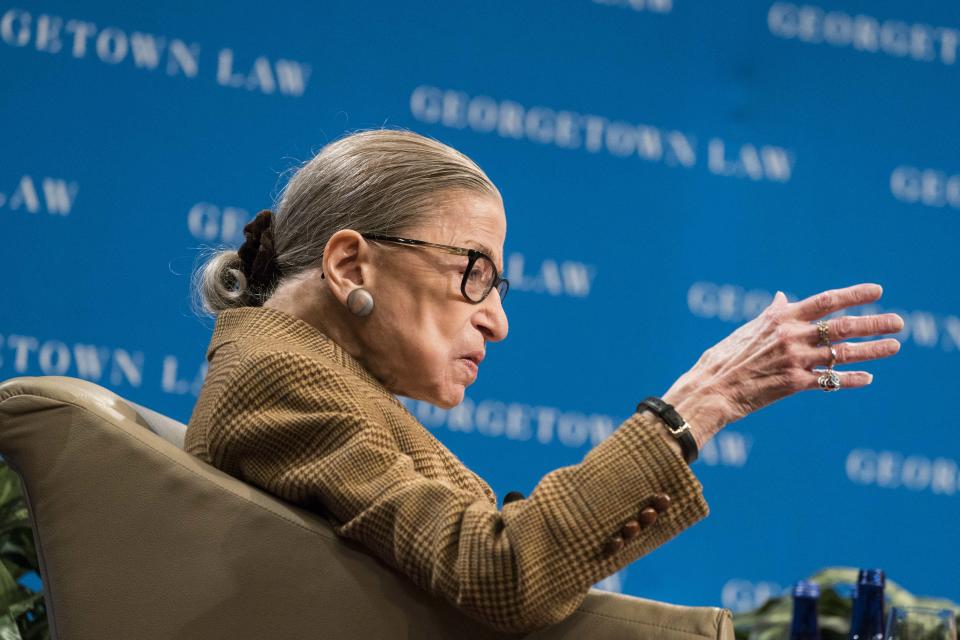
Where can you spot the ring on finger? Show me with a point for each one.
(833, 356)
(829, 380)
(823, 331)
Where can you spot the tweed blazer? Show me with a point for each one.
(285, 408)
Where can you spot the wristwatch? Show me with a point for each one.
(676, 426)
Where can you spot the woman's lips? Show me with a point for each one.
(471, 366)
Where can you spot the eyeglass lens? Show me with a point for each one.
(479, 281)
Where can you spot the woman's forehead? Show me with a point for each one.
(474, 221)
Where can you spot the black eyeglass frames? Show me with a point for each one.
(479, 278)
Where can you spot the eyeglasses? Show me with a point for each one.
(479, 278)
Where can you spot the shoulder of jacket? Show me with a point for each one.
(274, 359)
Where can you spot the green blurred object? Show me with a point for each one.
(22, 612)
(771, 621)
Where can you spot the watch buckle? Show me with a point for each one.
(679, 430)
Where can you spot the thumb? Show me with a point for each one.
(779, 298)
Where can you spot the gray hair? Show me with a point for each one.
(374, 181)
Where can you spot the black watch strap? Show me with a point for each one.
(675, 425)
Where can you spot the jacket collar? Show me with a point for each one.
(257, 323)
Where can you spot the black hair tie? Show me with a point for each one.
(258, 254)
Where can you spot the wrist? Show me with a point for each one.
(675, 425)
(703, 411)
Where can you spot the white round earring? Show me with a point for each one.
(360, 302)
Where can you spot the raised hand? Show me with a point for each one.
(773, 356)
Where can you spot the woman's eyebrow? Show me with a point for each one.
(479, 246)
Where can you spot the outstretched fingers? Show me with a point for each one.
(825, 303)
(848, 352)
(847, 327)
(848, 379)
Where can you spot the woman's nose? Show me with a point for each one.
(491, 319)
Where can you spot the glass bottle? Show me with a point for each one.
(866, 623)
(804, 624)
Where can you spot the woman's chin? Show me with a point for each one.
(451, 397)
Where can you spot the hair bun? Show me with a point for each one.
(258, 254)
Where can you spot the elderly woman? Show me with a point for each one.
(380, 275)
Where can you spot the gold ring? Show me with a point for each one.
(823, 330)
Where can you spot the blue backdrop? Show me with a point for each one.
(666, 165)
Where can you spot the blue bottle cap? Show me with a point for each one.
(873, 577)
(806, 589)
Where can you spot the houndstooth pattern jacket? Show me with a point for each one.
(285, 408)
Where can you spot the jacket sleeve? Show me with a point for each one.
(521, 568)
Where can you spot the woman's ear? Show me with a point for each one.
(345, 261)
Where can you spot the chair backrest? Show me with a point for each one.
(169, 429)
(139, 539)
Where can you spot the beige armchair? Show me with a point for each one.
(138, 539)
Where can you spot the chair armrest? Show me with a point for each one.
(612, 616)
(137, 536)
